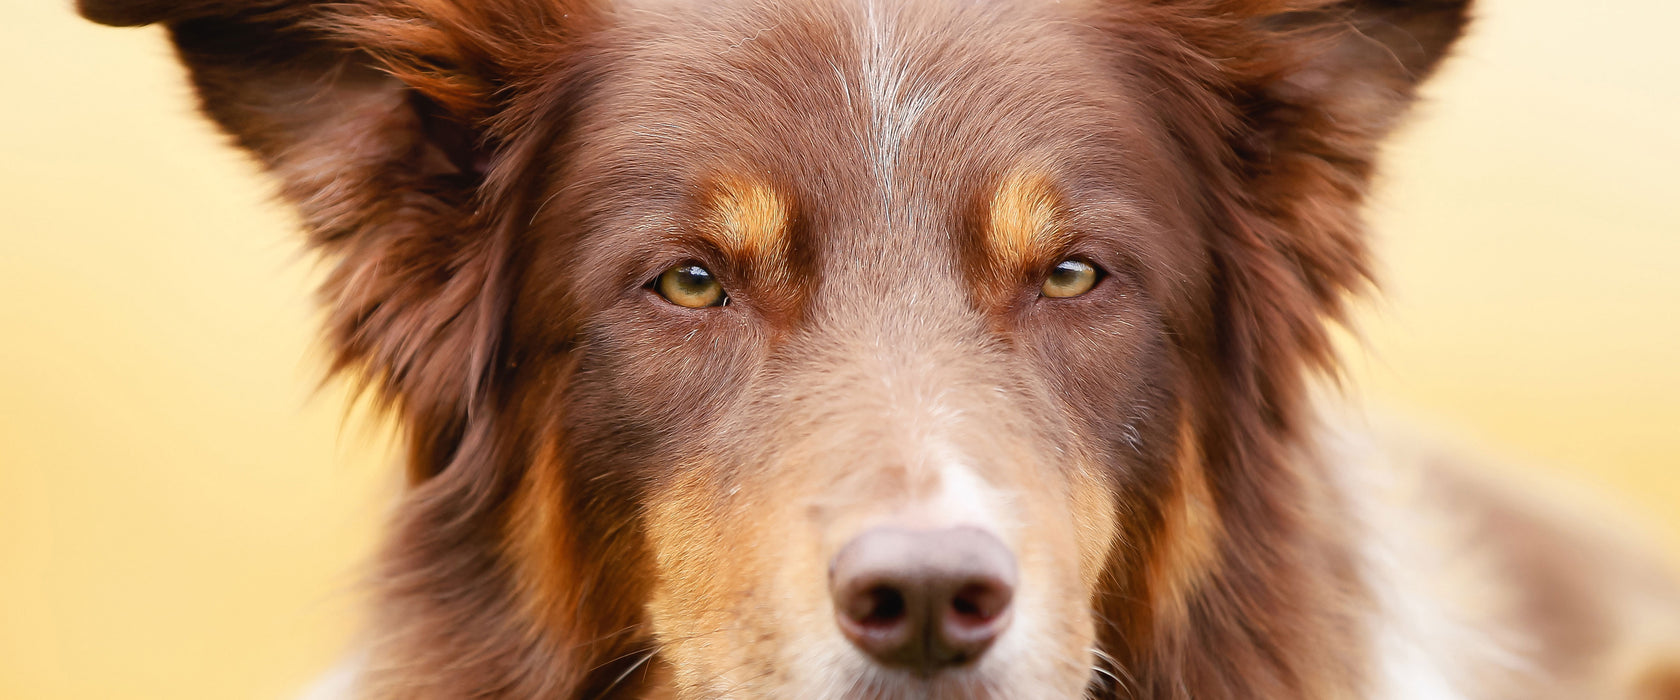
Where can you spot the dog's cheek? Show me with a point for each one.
(715, 548)
(1094, 523)
(693, 601)
(1064, 545)
(741, 605)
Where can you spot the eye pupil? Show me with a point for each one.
(690, 285)
(1070, 278)
(1067, 273)
(692, 278)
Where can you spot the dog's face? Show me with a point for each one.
(921, 291)
(827, 349)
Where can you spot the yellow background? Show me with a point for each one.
(182, 517)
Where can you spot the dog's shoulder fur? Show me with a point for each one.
(1488, 588)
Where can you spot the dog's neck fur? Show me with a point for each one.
(1272, 611)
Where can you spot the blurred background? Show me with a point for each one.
(183, 515)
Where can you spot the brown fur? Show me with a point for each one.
(614, 497)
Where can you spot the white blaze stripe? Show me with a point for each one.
(896, 101)
(963, 498)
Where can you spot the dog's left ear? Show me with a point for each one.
(1280, 107)
(1284, 103)
(1330, 80)
(1315, 87)
(1318, 86)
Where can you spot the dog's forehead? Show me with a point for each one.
(873, 122)
(866, 93)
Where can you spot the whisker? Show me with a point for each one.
(646, 656)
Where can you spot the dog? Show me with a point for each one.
(875, 349)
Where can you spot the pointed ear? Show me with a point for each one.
(1331, 79)
(1319, 85)
(1300, 94)
(1278, 108)
(1316, 88)
(390, 126)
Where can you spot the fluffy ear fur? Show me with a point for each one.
(388, 125)
(1282, 104)
(1310, 88)
(1329, 82)
(1278, 107)
(406, 133)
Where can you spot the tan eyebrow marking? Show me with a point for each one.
(748, 219)
(1023, 227)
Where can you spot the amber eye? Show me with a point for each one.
(1070, 278)
(690, 285)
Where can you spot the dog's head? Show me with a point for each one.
(834, 348)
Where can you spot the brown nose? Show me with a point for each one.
(923, 600)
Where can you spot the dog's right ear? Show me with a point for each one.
(402, 130)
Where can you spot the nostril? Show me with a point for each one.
(978, 613)
(880, 606)
(980, 602)
(875, 616)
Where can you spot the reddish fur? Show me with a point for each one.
(437, 147)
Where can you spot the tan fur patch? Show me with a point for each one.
(704, 568)
(536, 538)
(1094, 516)
(1023, 228)
(749, 220)
(1190, 527)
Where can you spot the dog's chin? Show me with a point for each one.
(990, 683)
(1013, 672)
(887, 684)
